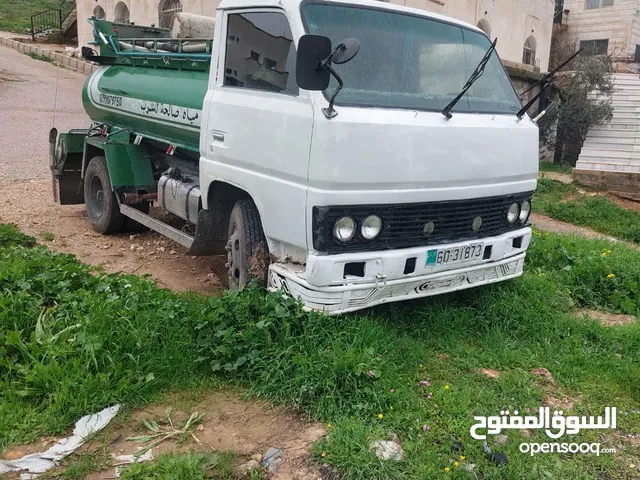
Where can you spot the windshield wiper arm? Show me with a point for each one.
(543, 83)
(477, 73)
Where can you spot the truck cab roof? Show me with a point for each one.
(295, 4)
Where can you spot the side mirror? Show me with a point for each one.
(314, 58)
(312, 50)
(346, 51)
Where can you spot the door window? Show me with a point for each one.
(262, 55)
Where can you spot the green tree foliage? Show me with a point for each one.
(585, 87)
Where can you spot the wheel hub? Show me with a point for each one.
(96, 200)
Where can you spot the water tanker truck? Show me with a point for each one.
(346, 153)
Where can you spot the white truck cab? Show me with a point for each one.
(382, 197)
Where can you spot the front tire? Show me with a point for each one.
(101, 202)
(247, 249)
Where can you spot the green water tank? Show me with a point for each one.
(160, 103)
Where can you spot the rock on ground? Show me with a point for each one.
(387, 450)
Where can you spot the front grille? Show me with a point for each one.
(403, 224)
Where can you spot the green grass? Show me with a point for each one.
(47, 236)
(85, 463)
(37, 56)
(10, 236)
(190, 466)
(596, 212)
(556, 168)
(73, 342)
(16, 14)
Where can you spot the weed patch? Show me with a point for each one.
(47, 236)
(10, 236)
(556, 168)
(190, 466)
(42, 58)
(73, 341)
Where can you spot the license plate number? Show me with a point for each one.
(447, 256)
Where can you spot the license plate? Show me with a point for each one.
(447, 256)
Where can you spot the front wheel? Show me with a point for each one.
(247, 249)
(102, 205)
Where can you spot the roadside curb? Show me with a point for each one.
(68, 62)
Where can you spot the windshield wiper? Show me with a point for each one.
(544, 83)
(477, 73)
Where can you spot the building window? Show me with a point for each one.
(636, 57)
(599, 3)
(558, 12)
(122, 13)
(266, 36)
(485, 27)
(99, 13)
(529, 51)
(166, 10)
(594, 47)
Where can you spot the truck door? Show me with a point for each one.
(258, 124)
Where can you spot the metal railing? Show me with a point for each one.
(51, 19)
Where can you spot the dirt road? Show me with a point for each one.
(34, 96)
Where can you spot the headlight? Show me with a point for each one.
(371, 227)
(525, 210)
(344, 229)
(513, 213)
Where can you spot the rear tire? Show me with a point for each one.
(247, 249)
(101, 202)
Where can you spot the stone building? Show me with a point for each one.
(602, 26)
(523, 27)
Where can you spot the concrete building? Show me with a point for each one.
(602, 26)
(523, 27)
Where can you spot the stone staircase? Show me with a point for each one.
(615, 146)
(610, 156)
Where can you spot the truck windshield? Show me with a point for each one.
(411, 62)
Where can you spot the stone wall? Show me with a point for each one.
(618, 23)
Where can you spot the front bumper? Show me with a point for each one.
(384, 281)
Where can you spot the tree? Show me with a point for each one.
(585, 88)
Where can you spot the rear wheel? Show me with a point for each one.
(101, 202)
(247, 250)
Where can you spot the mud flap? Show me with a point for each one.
(128, 166)
(211, 234)
(65, 161)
